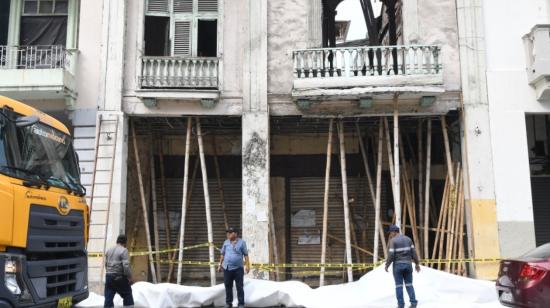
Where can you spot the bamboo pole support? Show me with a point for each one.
(420, 178)
(396, 161)
(184, 201)
(444, 214)
(206, 204)
(447, 150)
(390, 162)
(353, 246)
(378, 229)
(220, 185)
(325, 203)
(345, 198)
(155, 206)
(440, 217)
(144, 206)
(273, 237)
(167, 223)
(409, 203)
(189, 196)
(370, 184)
(427, 190)
(456, 218)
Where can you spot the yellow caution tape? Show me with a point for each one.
(146, 253)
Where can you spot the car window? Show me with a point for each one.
(541, 252)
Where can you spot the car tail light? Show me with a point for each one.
(530, 272)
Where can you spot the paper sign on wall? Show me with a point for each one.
(303, 218)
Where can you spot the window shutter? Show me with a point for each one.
(182, 38)
(183, 6)
(208, 6)
(157, 6)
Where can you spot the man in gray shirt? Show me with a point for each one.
(232, 253)
(401, 254)
(118, 276)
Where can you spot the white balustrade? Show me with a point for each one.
(367, 61)
(35, 57)
(178, 72)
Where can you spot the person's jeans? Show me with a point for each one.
(403, 272)
(236, 275)
(117, 284)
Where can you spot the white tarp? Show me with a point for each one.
(434, 289)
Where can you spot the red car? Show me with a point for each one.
(525, 281)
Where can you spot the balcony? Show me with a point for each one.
(356, 72)
(179, 78)
(537, 51)
(38, 72)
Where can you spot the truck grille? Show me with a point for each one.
(51, 232)
(55, 252)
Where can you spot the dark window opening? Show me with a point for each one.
(207, 38)
(4, 21)
(43, 30)
(157, 41)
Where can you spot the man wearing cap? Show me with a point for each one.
(232, 254)
(401, 254)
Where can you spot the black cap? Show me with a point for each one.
(393, 228)
(231, 230)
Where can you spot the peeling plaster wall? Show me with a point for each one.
(438, 26)
(288, 30)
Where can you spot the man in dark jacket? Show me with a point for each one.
(401, 254)
(118, 276)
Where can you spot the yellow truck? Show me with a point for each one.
(44, 217)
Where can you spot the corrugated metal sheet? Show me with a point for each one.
(540, 187)
(307, 194)
(196, 229)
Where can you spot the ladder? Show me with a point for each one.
(102, 177)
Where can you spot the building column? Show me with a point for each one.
(478, 159)
(255, 137)
(108, 217)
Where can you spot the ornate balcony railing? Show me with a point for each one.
(36, 57)
(178, 72)
(367, 61)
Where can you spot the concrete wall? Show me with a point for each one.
(510, 98)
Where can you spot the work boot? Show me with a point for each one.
(412, 306)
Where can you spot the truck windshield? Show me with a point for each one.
(40, 151)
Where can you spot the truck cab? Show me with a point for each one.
(43, 212)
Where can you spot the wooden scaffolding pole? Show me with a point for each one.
(220, 185)
(345, 198)
(390, 161)
(155, 205)
(274, 245)
(144, 206)
(189, 197)
(167, 223)
(325, 203)
(427, 190)
(371, 186)
(396, 162)
(206, 204)
(447, 151)
(420, 172)
(184, 198)
(378, 229)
